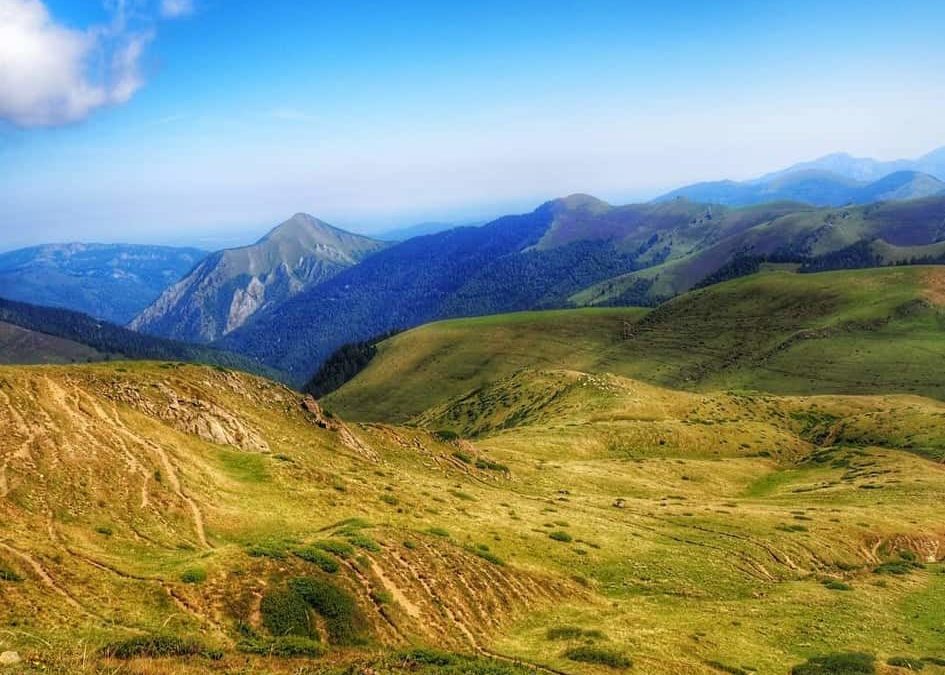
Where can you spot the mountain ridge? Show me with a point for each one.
(111, 281)
(229, 286)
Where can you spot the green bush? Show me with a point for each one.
(285, 612)
(7, 574)
(599, 656)
(725, 668)
(318, 557)
(195, 575)
(906, 662)
(439, 532)
(488, 556)
(288, 646)
(463, 457)
(851, 663)
(835, 585)
(340, 548)
(342, 616)
(364, 541)
(158, 646)
(561, 535)
(446, 435)
(573, 633)
(489, 465)
(266, 550)
(390, 500)
(898, 567)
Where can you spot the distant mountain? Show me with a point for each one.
(817, 187)
(109, 281)
(894, 232)
(528, 261)
(35, 334)
(230, 286)
(418, 230)
(866, 169)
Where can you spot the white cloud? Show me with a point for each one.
(51, 74)
(171, 9)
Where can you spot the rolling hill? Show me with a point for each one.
(187, 520)
(895, 232)
(34, 334)
(836, 332)
(108, 281)
(529, 261)
(230, 286)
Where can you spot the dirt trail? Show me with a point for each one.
(44, 576)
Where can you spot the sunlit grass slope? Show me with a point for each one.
(588, 519)
(864, 331)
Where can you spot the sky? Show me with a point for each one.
(203, 121)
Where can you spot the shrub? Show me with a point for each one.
(465, 496)
(318, 557)
(439, 532)
(285, 612)
(573, 633)
(725, 668)
(906, 662)
(599, 656)
(564, 633)
(463, 457)
(195, 575)
(6, 574)
(488, 556)
(835, 585)
(287, 647)
(266, 550)
(561, 535)
(446, 435)
(390, 499)
(489, 465)
(159, 646)
(852, 663)
(340, 548)
(364, 541)
(104, 530)
(342, 616)
(898, 567)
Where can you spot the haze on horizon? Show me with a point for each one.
(166, 121)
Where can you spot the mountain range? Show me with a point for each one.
(307, 288)
(228, 287)
(109, 281)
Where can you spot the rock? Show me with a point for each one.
(620, 503)
(9, 659)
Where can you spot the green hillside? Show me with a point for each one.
(858, 331)
(176, 520)
(898, 232)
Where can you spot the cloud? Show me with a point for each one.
(172, 9)
(52, 75)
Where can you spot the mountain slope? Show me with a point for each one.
(229, 286)
(867, 169)
(189, 521)
(813, 186)
(898, 231)
(522, 262)
(35, 334)
(847, 332)
(109, 281)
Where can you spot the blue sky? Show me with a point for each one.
(223, 117)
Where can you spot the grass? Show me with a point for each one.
(159, 646)
(343, 618)
(194, 575)
(834, 332)
(854, 663)
(598, 656)
(691, 569)
(318, 557)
